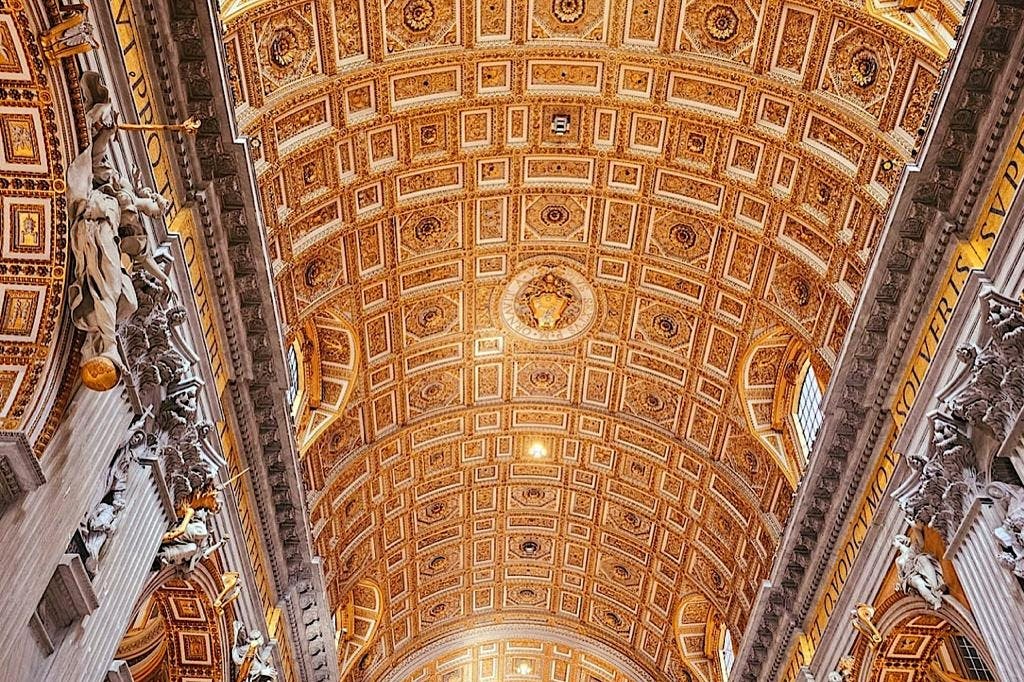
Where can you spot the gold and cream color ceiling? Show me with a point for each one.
(552, 270)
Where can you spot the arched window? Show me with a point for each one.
(293, 376)
(726, 656)
(808, 410)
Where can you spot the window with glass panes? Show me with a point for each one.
(808, 409)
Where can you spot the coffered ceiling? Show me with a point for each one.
(552, 269)
(36, 128)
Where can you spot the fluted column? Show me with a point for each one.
(36, 529)
(996, 599)
(124, 568)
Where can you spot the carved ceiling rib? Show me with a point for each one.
(564, 223)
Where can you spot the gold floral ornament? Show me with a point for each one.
(418, 15)
(721, 23)
(568, 11)
(684, 234)
(284, 47)
(864, 68)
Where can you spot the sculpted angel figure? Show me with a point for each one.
(190, 543)
(918, 571)
(251, 656)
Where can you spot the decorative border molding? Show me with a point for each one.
(219, 186)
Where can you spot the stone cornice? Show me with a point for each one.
(217, 179)
(934, 203)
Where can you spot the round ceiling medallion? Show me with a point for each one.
(721, 23)
(418, 15)
(568, 11)
(549, 301)
(864, 68)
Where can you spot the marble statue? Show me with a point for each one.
(993, 393)
(105, 213)
(1010, 533)
(252, 658)
(101, 521)
(190, 542)
(918, 571)
(942, 481)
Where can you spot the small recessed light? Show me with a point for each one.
(524, 668)
(538, 450)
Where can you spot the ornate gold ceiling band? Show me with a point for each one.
(424, 655)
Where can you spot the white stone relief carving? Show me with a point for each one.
(919, 571)
(1010, 534)
(988, 395)
(191, 541)
(993, 393)
(251, 656)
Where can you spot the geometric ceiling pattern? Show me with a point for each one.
(33, 252)
(557, 260)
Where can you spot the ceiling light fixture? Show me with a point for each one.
(538, 450)
(524, 668)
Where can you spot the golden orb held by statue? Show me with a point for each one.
(100, 373)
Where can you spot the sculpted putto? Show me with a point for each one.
(1010, 533)
(252, 658)
(106, 212)
(918, 572)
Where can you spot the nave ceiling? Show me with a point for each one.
(615, 230)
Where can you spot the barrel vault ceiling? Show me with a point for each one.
(551, 269)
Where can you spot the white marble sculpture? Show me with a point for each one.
(1010, 534)
(104, 207)
(186, 546)
(918, 571)
(252, 658)
(101, 521)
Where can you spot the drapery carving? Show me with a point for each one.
(191, 478)
(106, 222)
(918, 571)
(101, 521)
(941, 481)
(251, 657)
(151, 338)
(993, 394)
